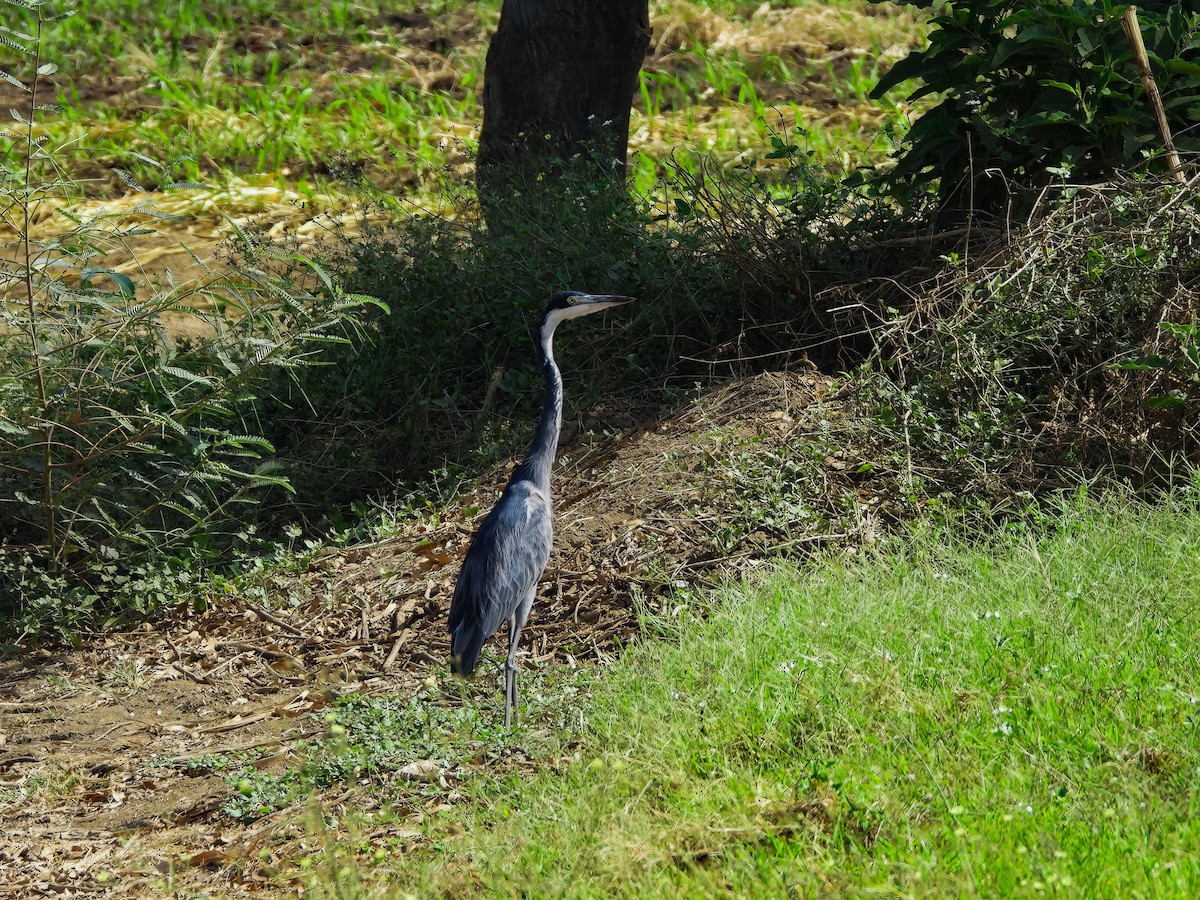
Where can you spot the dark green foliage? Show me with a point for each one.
(125, 457)
(1179, 364)
(726, 284)
(443, 375)
(1031, 91)
(120, 446)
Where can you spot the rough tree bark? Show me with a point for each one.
(558, 84)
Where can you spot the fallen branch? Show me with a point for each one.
(263, 614)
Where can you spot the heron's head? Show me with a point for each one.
(573, 304)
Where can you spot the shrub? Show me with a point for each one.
(1034, 364)
(1031, 90)
(122, 452)
(443, 376)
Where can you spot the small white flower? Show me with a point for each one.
(1002, 728)
(1001, 710)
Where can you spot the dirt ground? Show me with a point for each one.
(97, 797)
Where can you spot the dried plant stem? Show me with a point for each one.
(38, 369)
(1132, 31)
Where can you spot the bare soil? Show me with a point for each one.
(97, 795)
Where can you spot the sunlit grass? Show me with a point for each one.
(300, 94)
(937, 719)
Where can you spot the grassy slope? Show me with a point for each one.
(940, 720)
(290, 92)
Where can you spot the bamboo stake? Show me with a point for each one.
(1134, 33)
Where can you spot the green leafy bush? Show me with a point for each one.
(123, 452)
(450, 376)
(1033, 90)
(1176, 365)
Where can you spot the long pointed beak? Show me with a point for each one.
(604, 301)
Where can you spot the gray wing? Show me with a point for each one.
(505, 561)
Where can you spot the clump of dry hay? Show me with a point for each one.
(814, 32)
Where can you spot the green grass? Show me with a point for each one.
(377, 736)
(291, 93)
(937, 719)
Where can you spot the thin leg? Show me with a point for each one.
(515, 623)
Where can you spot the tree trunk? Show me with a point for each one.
(559, 80)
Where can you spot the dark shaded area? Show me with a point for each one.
(448, 381)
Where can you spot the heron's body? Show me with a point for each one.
(501, 572)
(510, 550)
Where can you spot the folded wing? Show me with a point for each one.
(502, 567)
